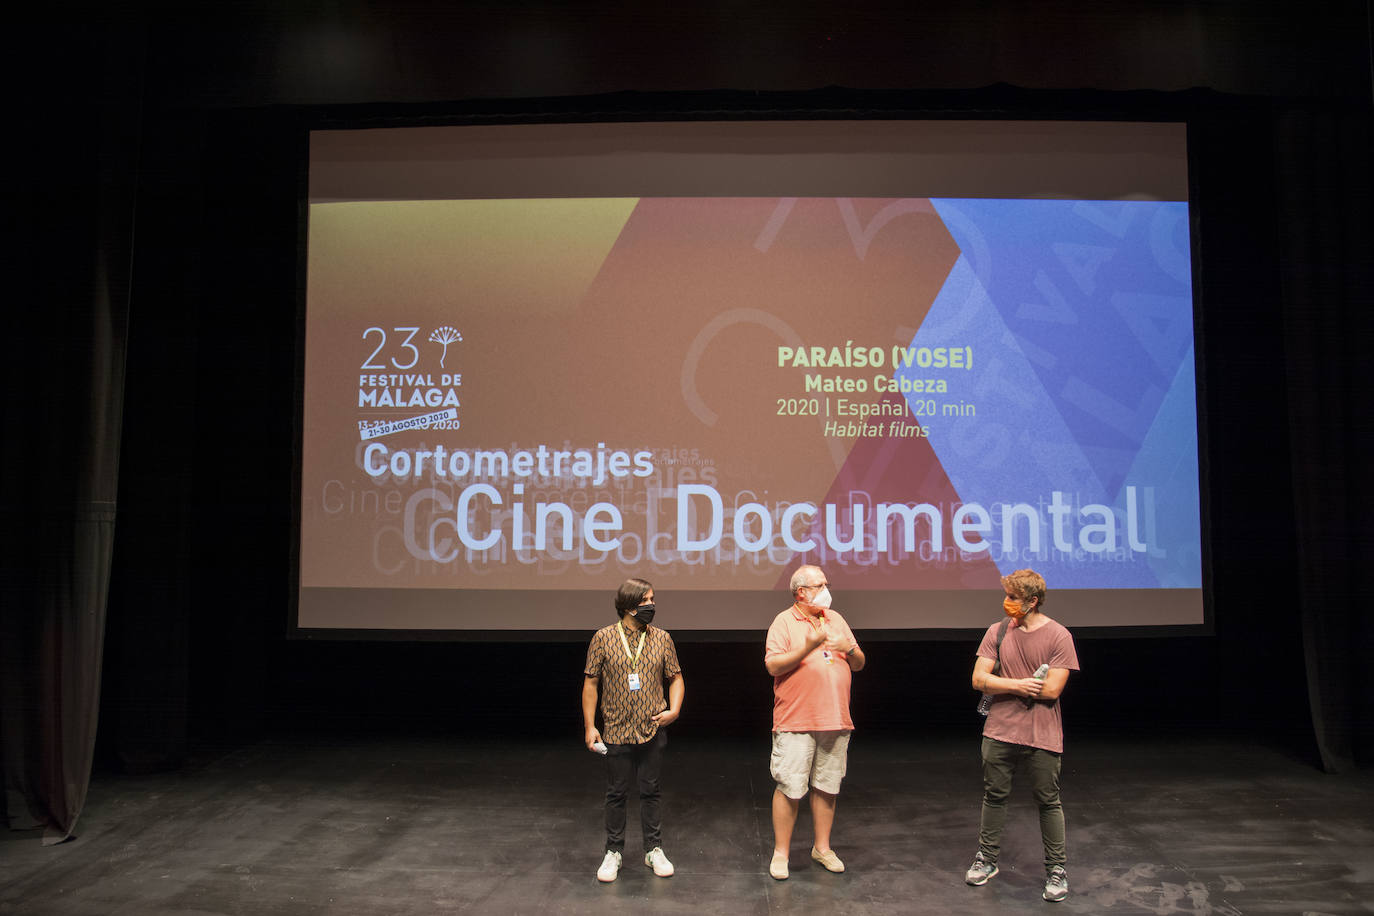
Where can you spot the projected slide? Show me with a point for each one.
(510, 405)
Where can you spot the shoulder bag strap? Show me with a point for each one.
(1001, 635)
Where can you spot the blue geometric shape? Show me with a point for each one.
(1172, 504)
(1079, 316)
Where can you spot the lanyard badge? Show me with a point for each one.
(633, 680)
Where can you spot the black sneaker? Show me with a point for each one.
(980, 871)
(1056, 884)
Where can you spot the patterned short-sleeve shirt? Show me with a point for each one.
(627, 713)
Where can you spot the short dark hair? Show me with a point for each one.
(630, 595)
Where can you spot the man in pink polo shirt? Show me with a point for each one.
(811, 653)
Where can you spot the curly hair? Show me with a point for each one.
(1026, 584)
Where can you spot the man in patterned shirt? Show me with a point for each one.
(627, 665)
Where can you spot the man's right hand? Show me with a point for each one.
(591, 737)
(1027, 686)
(779, 663)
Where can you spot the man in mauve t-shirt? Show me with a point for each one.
(1024, 724)
(810, 652)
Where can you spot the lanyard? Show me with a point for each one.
(634, 659)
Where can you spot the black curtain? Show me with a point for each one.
(1325, 213)
(64, 373)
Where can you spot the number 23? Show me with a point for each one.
(405, 345)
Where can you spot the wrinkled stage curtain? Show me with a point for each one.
(1325, 207)
(62, 414)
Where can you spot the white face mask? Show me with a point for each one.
(822, 599)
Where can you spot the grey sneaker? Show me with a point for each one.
(1056, 884)
(981, 870)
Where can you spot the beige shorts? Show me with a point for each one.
(802, 759)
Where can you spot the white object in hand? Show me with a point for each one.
(599, 747)
(1041, 671)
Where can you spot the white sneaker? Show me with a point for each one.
(656, 860)
(610, 867)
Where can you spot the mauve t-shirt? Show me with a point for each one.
(1042, 725)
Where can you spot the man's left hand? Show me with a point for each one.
(667, 717)
(839, 645)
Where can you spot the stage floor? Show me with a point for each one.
(408, 826)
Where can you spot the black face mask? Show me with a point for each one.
(644, 614)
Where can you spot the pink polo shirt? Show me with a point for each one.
(814, 696)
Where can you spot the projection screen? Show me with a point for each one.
(542, 358)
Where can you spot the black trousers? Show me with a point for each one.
(646, 761)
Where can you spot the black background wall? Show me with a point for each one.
(198, 119)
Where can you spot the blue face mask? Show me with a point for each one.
(644, 614)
